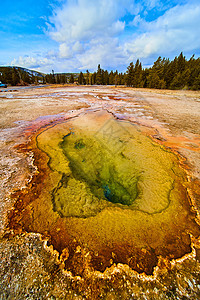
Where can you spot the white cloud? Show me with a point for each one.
(88, 31)
(101, 52)
(31, 62)
(91, 32)
(78, 47)
(177, 30)
(65, 51)
(98, 28)
(83, 20)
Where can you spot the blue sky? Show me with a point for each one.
(76, 35)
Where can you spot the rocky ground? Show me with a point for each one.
(29, 266)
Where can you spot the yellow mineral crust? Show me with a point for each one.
(106, 193)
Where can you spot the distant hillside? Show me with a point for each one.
(32, 72)
(20, 76)
(13, 75)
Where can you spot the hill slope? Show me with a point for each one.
(19, 76)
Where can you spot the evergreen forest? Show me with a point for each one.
(179, 73)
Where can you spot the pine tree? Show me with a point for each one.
(130, 75)
(105, 78)
(181, 63)
(196, 83)
(170, 72)
(111, 78)
(99, 75)
(58, 81)
(116, 78)
(80, 78)
(62, 79)
(137, 81)
(93, 78)
(177, 82)
(153, 80)
(71, 79)
(87, 77)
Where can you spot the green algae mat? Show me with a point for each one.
(106, 193)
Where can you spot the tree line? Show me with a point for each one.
(179, 73)
(165, 74)
(102, 77)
